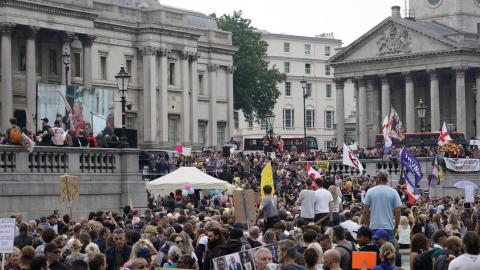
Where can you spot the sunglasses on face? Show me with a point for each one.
(179, 242)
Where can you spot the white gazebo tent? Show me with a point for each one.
(184, 175)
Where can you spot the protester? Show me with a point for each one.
(332, 260)
(470, 259)
(387, 256)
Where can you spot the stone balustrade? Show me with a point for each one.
(29, 182)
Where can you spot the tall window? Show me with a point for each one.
(201, 84)
(327, 50)
(308, 90)
(77, 65)
(103, 67)
(263, 124)
(250, 122)
(286, 47)
(308, 48)
(310, 118)
(171, 73)
(130, 121)
(22, 56)
(53, 63)
(286, 67)
(327, 70)
(288, 89)
(202, 132)
(236, 122)
(172, 129)
(308, 68)
(288, 118)
(221, 133)
(327, 145)
(329, 118)
(129, 65)
(329, 91)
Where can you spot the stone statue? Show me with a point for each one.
(394, 41)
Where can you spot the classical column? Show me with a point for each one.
(31, 77)
(185, 98)
(7, 87)
(162, 106)
(340, 95)
(385, 96)
(149, 94)
(194, 98)
(87, 42)
(212, 83)
(230, 125)
(374, 121)
(460, 100)
(477, 106)
(362, 115)
(409, 103)
(67, 38)
(434, 101)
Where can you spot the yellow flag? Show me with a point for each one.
(267, 178)
(441, 176)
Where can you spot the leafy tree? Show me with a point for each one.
(254, 83)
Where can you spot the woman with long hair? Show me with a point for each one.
(454, 226)
(26, 257)
(186, 246)
(13, 260)
(435, 225)
(404, 233)
(336, 205)
(419, 244)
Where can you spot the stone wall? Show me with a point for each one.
(29, 182)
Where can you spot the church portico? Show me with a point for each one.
(402, 61)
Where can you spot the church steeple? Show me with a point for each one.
(463, 15)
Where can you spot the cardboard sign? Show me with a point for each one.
(245, 208)
(364, 260)
(69, 191)
(7, 232)
(324, 165)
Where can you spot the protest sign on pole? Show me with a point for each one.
(7, 232)
(69, 190)
(244, 203)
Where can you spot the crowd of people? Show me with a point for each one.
(312, 222)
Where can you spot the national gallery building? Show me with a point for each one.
(432, 54)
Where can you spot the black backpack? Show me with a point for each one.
(424, 261)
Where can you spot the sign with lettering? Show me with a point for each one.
(462, 164)
(69, 191)
(245, 208)
(7, 232)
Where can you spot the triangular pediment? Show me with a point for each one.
(391, 38)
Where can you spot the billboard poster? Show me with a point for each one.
(77, 108)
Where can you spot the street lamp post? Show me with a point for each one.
(421, 110)
(269, 119)
(475, 92)
(304, 87)
(123, 79)
(66, 62)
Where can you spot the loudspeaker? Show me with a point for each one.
(226, 151)
(131, 136)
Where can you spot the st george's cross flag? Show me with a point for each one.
(444, 138)
(350, 159)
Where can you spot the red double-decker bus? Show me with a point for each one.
(429, 139)
(256, 144)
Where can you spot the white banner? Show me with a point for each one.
(462, 164)
(7, 231)
(99, 123)
(475, 142)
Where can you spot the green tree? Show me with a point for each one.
(254, 83)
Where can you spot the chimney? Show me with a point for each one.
(396, 12)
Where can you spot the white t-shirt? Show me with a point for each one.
(465, 262)
(351, 226)
(336, 205)
(323, 199)
(404, 235)
(307, 201)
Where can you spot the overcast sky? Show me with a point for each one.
(347, 19)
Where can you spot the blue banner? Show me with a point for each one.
(411, 164)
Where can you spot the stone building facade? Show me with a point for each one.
(302, 57)
(181, 88)
(432, 54)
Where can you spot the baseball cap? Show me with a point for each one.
(380, 234)
(364, 231)
(137, 226)
(144, 252)
(44, 119)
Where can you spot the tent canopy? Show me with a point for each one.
(184, 175)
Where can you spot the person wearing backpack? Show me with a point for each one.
(344, 247)
(419, 246)
(14, 133)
